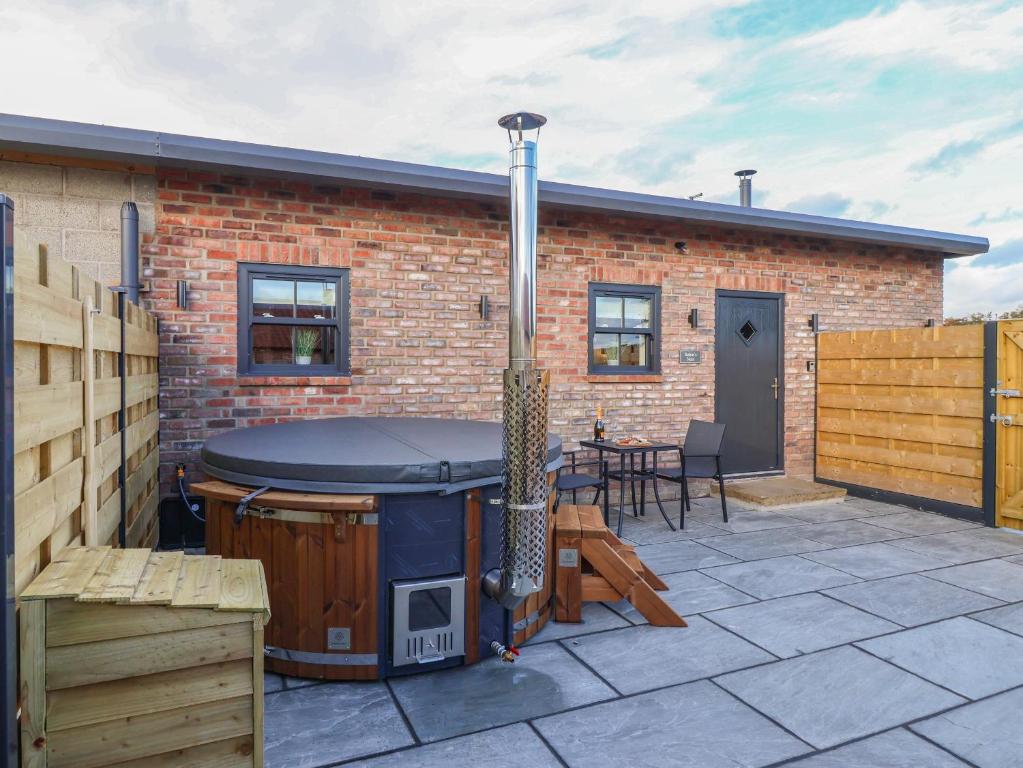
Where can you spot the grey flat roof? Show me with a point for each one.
(129, 145)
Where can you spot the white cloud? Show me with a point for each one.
(621, 81)
(1000, 287)
(977, 35)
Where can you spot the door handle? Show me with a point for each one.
(775, 386)
(1006, 420)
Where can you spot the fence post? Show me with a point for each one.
(8, 631)
(122, 418)
(989, 464)
(90, 521)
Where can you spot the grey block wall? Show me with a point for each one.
(76, 212)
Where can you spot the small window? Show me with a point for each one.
(292, 321)
(624, 328)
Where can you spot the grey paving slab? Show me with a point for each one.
(544, 679)
(322, 724)
(875, 561)
(1018, 559)
(643, 658)
(986, 733)
(653, 530)
(675, 556)
(272, 683)
(965, 546)
(871, 505)
(761, 544)
(994, 578)
(832, 696)
(969, 657)
(746, 520)
(596, 618)
(911, 599)
(894, 749)
(690, 726)
(1008, 617)
(690, 593)
(830, 512)
(849, 533)
(917, 523)
(779, 576)
(790, 626)
(512, 746)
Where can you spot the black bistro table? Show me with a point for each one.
(630, 474)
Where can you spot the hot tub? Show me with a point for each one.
(375, 534)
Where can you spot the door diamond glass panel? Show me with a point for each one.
(747, 331)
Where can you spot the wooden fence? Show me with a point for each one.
(1008, 432)
(85, 472)
(903, 411)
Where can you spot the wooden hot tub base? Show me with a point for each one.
(330, 560)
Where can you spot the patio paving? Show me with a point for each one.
(849, 634)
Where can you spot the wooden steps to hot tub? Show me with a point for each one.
(595, 565)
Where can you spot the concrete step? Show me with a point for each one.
(779, 491)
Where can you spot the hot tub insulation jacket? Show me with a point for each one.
(364, 454)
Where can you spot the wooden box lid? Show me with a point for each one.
(143, 577)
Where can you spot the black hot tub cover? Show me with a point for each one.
(364, 454)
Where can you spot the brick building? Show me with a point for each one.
(397, 274)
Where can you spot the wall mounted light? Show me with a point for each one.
(680, 246)
(694, 317)
(183, 294)
(931, 323)
(484, 307)
(815, 323)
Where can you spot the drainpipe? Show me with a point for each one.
(130, 251)
(524, 448)
(746, 187)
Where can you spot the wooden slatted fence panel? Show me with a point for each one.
(67, 393)
(903, 411)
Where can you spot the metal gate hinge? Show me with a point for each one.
(1005, 393)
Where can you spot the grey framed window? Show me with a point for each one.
(624, 328)
(293, 321)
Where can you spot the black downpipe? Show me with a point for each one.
(122, 419)
(8, 629)
(130, 251)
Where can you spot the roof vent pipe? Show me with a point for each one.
(130, 251)
(746, 187)
(524, 447)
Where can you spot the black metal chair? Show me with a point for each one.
(571, 479)
(699, 457)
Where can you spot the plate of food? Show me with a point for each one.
(632, 442)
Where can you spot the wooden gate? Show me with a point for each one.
(902, 412)
(1007, 408)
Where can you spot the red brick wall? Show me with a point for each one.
(418, 268)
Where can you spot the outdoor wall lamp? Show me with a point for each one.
(680, 246)
(694, 317)
(931, 323)
(815, 323)
(183, 294)
(484, 307)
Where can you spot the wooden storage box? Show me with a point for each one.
(143, 659)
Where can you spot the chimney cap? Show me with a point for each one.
(746, 173)
(522, 121)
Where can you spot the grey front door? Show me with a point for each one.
(749, 389)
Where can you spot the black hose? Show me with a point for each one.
(193, 508)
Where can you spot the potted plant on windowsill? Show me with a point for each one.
(305, 344)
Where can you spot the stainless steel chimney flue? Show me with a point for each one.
(746, 187)
(524, 539)
(130, 251)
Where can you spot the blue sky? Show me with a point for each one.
(905, 112)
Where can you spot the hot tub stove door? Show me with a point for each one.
(429, 620)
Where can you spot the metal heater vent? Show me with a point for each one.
(429, 620)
